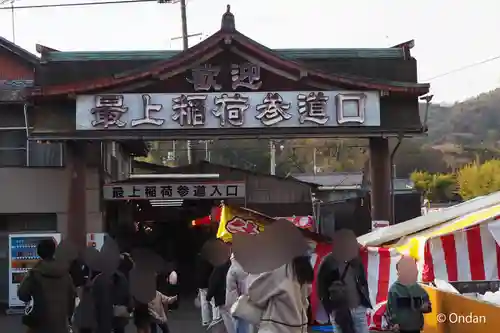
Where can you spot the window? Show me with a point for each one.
(12, 146)
(351, 108)
(112, 158)
(28, 222)
(17, 151)
(45, 154)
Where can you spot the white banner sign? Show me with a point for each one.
(284, 109)
(174, 191)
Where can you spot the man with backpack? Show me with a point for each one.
(50, 287)
(342, 285)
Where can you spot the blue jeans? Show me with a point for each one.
(241, 326)
(358, 319)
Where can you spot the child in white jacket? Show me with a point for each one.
(237, 285)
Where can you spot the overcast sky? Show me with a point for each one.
(448, 34)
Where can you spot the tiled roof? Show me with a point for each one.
(243, 46)
(349, 180)
(293, 54)
(18, 51)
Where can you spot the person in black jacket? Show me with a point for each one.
(342, 286)
(217, 292)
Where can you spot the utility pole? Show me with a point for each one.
(185, 46)
(184, 41)
(12, 17)
(185, 37)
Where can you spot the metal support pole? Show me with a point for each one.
(272, 147)
(393, 176)
(207, 157)
(314, 161)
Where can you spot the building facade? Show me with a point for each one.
(226, 86)
(34, 176)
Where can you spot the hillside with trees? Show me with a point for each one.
(457, 135)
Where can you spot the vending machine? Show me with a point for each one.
(22, 258)
(96, 240)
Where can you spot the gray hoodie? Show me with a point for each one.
(51, 288)
(283, 300)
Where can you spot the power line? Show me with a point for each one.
(78, 4)
(463, 68)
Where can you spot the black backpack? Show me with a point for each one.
(337, 292)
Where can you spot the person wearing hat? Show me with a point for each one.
(342, 286)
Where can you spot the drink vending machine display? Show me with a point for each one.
(96, 240)
(22, 258)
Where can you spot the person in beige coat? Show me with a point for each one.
(282, 294)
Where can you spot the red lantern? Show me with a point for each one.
(214, 217)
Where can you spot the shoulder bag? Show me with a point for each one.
(31, 317)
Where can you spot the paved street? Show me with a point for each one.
(186, 319)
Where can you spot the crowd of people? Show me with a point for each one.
(64, 298)
(61, 299)
(278, 301)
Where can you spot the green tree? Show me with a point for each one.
(479, 179)
(436, 187)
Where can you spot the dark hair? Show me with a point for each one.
(46, 249)
(303, 269)
(126, 263)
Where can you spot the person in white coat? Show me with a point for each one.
(237, 285)
(283, 294)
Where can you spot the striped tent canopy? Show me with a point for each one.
(463, 249)
(450, 247)
(394, 233)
